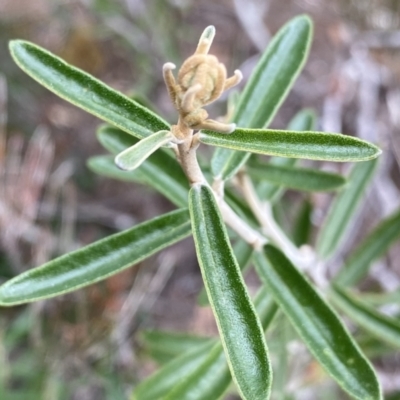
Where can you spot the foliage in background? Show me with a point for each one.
(204, 367)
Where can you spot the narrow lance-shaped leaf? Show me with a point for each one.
(96, 261)
(371, 248)
(303, 121)
(308, 145)
(296, 178)
(161, 171)
(318, 325)
(240, 330)
(85, 91)
(343, 207)
(381, 326)
(243, 252)
(133, 157)
(212, 378)
(268, 87)
(275, 74)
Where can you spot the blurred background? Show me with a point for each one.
(85, 345)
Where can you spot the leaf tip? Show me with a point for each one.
(373, 152)
(306, 18)
(13, 46)
(121, 163)
(15, 43)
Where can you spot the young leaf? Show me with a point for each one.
(268, 87)
(86, 92)
(371, 248)
(160, 171)
(96, 261)
(379, 325)
(317, 324)
(166, 378)
(133, 157)
(239, 327)
(308, 145)
(296, 178)
(243, 253)
(343, 207)
(302, 121)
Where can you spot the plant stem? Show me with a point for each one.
(188, 160)
(189, 163)
(268, 224)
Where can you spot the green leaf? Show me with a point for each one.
(275, 74)
(133, 157)
(167, 345)
(343, 207)
(243, 253)
(370, 249)
(166, 378)
(302, 121)
(308, 145)
(160, 171)
(212, 378)
(268, 87)
(317, 324)
(96, 261)
(296, 178)
(84, 91)
(182, 374)
(240, 330)
(382, 327)
(303, 226)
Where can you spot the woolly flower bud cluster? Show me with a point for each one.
(201, 80)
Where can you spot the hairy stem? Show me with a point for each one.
(188, 160)
(268, 224)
